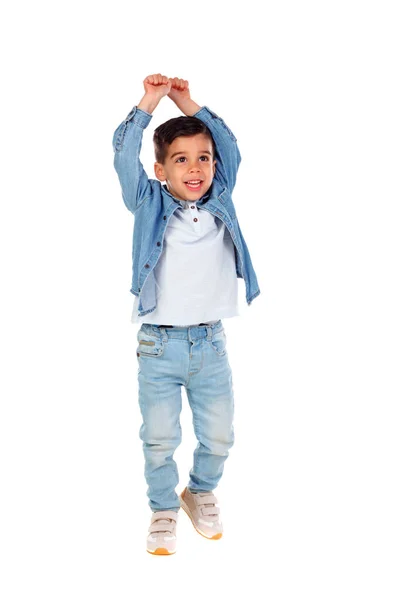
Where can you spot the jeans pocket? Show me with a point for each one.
(218, 342)
(149, 345)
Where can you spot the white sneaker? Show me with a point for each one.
(203, 510)
(162, 532)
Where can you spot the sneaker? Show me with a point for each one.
(162, 532)
(203, 510)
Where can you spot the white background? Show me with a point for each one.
(307, 494)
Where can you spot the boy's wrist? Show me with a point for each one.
(148, 103)
(188, 107)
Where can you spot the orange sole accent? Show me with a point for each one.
(217, 536)
(161, 552)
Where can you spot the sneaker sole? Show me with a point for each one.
(184, 506)
(161, 552)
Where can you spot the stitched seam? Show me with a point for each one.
(141, 203)
(120, 138)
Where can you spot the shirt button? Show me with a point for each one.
(193, 206)
(147, 266)
(158, 243)
(195, 219)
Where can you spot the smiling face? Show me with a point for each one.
(189, 167)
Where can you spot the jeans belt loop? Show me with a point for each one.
(163, 333)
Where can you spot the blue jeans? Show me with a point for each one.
(195, 357)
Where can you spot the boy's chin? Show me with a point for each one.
(194, 194)
(189, 195)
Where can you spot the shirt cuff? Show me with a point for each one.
(139, 116)
(206, 112)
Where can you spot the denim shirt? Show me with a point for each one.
(152, 204)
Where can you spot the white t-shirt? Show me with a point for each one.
(195, 277)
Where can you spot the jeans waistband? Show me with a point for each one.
(183, 326)
(189, 332)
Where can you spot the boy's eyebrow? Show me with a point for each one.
(201, 152)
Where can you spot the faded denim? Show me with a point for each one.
(194, 357)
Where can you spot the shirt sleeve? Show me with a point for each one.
(127, 141)
(227, 153)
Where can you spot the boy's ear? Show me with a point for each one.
(159, 171)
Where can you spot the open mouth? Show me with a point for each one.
(194, 184)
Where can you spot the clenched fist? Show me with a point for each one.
(179, 90)
(157, 85)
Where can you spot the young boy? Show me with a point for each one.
(188, 251)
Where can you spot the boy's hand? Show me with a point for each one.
(179, 91)
(181, 96)
(157, 85)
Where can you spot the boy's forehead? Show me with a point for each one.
(184, 143)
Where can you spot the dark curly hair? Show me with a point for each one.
(166, 133)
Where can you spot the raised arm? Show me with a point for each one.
(227, 153)
(127, 140)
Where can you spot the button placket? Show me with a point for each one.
(195, 219)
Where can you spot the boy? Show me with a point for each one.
(188, 251)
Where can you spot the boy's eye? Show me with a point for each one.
(182, 157)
